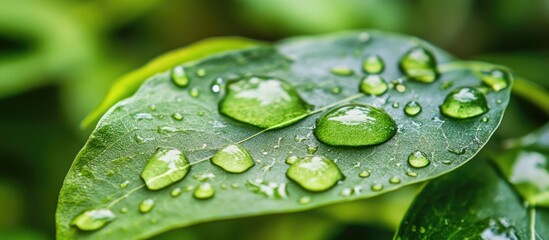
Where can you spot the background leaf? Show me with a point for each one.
(130, 132)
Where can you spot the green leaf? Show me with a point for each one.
(163, 115)
(129, 83)
(473, 202)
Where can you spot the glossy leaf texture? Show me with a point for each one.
(474, 202)
(297, 75)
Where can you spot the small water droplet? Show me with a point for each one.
(177, 116)
(447, 162)
(204, 191)
(93, 219)
(201, 72)
(336, 90)
(497, 79)
(233, 158)
(315, 173)
(194, 92)
(175, 192)
(304, 200)
(364, 174)
(346, 192)
(396, 105)
(394, 180)
(340, 126)
(373, 64)
(179, 76)
(152, 107)
(140, 139)
(418, 159)
(124, 210)
(377, 187)
(268, 102)
(124, 184)
(412, 108)
(374, 85)
(484, 119)
(342, 71)
(464, 103)
(146, 205)
(411, 174)
(268, 189)
(291, 160)
(312, 148)
(165, 167)
(189, 188)
(216, 85)
(420, 65)
(498, 101)
(400, 88)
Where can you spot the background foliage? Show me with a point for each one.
(58, 58)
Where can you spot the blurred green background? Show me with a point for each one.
(59, 57)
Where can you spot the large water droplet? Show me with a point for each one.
(373, 64)
(93, 219)
(233, 159)
(204, 191)
(377, 187)
(263, 102)
(497, 79)
(418, 159)
(146, 206)
(464, 103)
(342, 125)
(315, 173)
(179, 76)
(374, 85)
(420, 65)
(412, 108)
(165, 167)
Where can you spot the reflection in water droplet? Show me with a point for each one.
(420, 65)
(146, 206)
(177, 116)
(374, 85)
(418, 159)
(364, 174)
(373, 64)
(263, 102)
(412, 108)
(165, 167)
(93, 219)
(304, 200)
(497, 79)
(233, 159)
(315, 173)
(340, 126)
(464, 103)
(377, 187)
(342, 71)
(175, 192)
(204, 191)
(179, 76)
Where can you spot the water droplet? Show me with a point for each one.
(140, 139)
(263, 102)
(363, 37)
(93, 219)
(201, 72)
(464, 103)
(311, 148)
(175, 192)
(179, 76)
(364, 174)
(396, 105)
(152, 107)
(411, 174)
(146, 206)
(177, 116)
(374, 85)
(141, 116)
(268, 189)
(497, 79)
(204, 191)
(233, 159)
(447, 162)
(194, 92)
(304, 200)
(234, 185)
(418, 159)
(336, 90)
(421, 230)
(394, 180)
(342, 125)
(400, 88)
(291, 160)
(346, 192)
(342, 71)
(499, 101)
(124, 210)
(484, 119)
(373, 64)
(204, 177)
(420, 65)
(377, 187)
(124, 184)
(165, 167)
(315, 173)
(412, 108)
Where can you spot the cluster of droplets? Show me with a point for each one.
(270, 103)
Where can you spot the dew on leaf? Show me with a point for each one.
(396, 105)
(315, 173)
(146, 205)
(124, 210)
(497, 79)
(201, 72)
(342, 125)
(412, 108)
(373, 64)
(364, 174)
(464, 103)
(165, 167)
(394, 180)
(373, 85)
(233, 158)
(411, 174)
(342, 71)
(175, 192)
(304, 200)
(194, 92)
(177, 116)
(93, 219)
(216, 85)
(418, 159)
(204, 191)
(179, 76)
(419, 64)
(263, 102)
(377, 187)
(124, 184)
